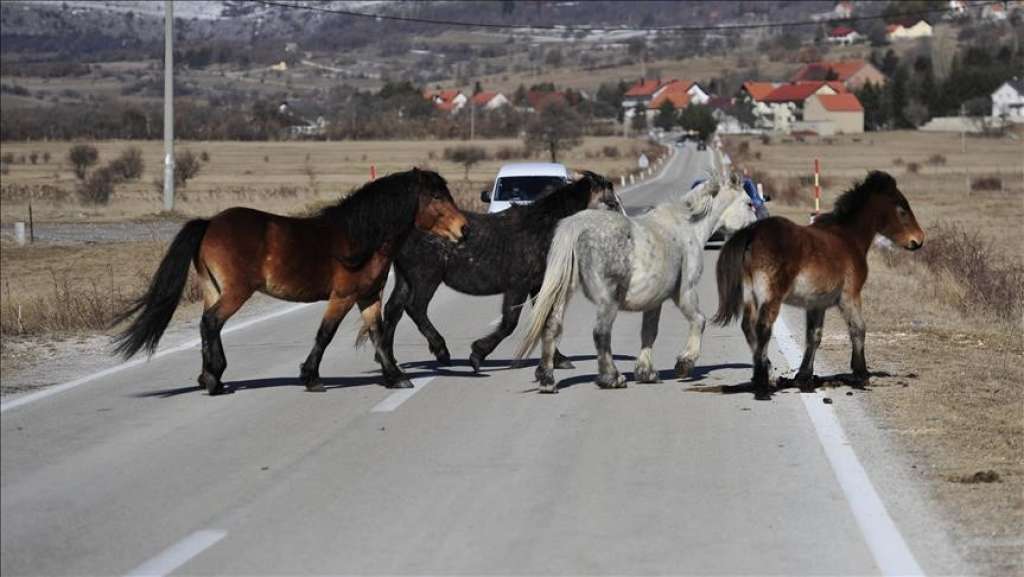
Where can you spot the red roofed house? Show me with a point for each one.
(489, 100)
(844, 35)
(754, 93)
(853, 73)
(450, 101)
(538, 99)
(652, 94)
(787, 100)
(843, 111)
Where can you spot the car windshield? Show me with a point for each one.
(526, 188)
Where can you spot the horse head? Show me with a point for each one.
(602, 193)
(896, 221)
(437, 212)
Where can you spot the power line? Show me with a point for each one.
(571, 28)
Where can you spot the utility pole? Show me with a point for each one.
(168, 105)
(472, 119)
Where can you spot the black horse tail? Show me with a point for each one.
(156, 307)
(729, 272)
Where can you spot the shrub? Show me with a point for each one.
(987, 183)
(611, 151)
(128, 166)
(205, 156)
(510, 152)
(913, 167)
(7, 158)
(81, 157)
(33, 157)
(46, 157)
(937, 160)
(186, 166)
(743, 150)
(898, 161)
(98, 187)
(467, 156)
(766, 140)
(991, 281)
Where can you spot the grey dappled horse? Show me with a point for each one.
(635, 264)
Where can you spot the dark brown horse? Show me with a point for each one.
(815, 267)
(341, 255)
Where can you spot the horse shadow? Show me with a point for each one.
(665, 375)
(784, 385)
(494, 365)
(373, 378)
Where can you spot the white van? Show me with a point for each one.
(523, 183)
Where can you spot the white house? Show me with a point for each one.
(920, 29)
(844, 36)
(489, 100)
(1008, 101)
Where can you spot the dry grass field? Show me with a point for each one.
(944, 324)
(276, 176)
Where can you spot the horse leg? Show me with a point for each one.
(553, 325)
(393, 314)
(763, 333)
(214, 317)
(422, 293)
(510, 307)
(394, 378)
(309, 371)
(561, 361)
(608, 376)
(850, 309)
(690, 306)
(645, 371)
(805, 376)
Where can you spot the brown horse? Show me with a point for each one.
(341, 255)
(815, 267)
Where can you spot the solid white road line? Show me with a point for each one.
(178, 554)
(883, 538)
(32, 397)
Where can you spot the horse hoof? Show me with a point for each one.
(444, 358)
(564, 363)
(400, 384)
(212, 384)
(646, 375)
(551, 389)
(611, 381)
(475, 361)
(805, 383)
(683, 368)
(315, 388)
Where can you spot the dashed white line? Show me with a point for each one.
(178, 554)
(395, 399)
(883, 538)
(32, 397)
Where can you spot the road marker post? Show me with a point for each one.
(373, 172)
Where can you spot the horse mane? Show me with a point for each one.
(565, 200)
(852, 202)
(699, 201)
(377, 212)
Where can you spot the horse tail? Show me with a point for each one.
(156, 306)
(559, 280)
(729, 273)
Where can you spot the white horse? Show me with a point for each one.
(635, 264)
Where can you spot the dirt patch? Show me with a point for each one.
(947, 376)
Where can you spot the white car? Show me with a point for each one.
(523, 183)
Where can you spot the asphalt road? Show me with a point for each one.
(140, 472)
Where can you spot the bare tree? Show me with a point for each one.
(555, 128)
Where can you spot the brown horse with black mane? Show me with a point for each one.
(815, 267)
(341, 255)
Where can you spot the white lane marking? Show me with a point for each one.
(178, 554)
(395, 399)
(661, 174)
(883, 538)
(32, 397)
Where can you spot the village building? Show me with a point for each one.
(897, 32)
(753, 94)
(829, 114)
(488, 100)
(1008, 101)
(854, 74)
(650, 95)
(787, 101)
(450, 101)
(844, 36)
